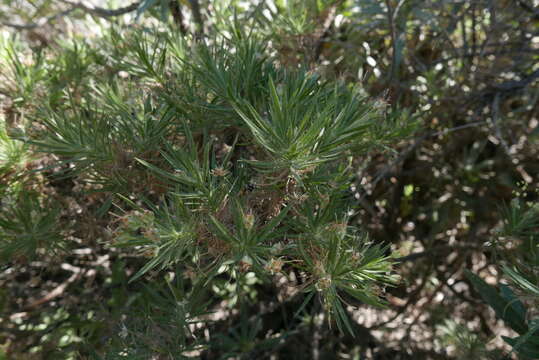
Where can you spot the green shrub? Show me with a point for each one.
(226, 179)
(222, 164)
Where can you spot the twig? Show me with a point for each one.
(474, 34)
(195, 8)
(500, 52)
(59, 290)
(495, 116)
(446, 248)
(461, 295)
(102, 12)
(325, 30)
(177, 15)
(464, 34)
(392, 15)
(515, 85)
(457, 128)
(97, 11)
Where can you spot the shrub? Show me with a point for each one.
(225, 169)
(227, 179)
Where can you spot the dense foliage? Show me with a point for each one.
(276, 179)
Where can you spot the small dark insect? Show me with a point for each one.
(250, 187)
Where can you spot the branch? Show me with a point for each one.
(439, 249)
(177, 15)
(485, 54)
(59, 290)
(97, 11)
(102, 12)
(529, 8)
(392, 15)
(326, 29)
(195, 8)
(515, 85)
(495, 107)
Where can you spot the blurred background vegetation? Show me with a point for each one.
(456, 200)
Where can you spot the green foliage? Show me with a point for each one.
(308, 123)
(342, 263)
(520, 225)
(103, 141)
(212, 121)
(27, 226)
(510, 309)
(168, 236)
(520, 220)
(505, 304)
(184, 179)
(161, 320)
(24, 76)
